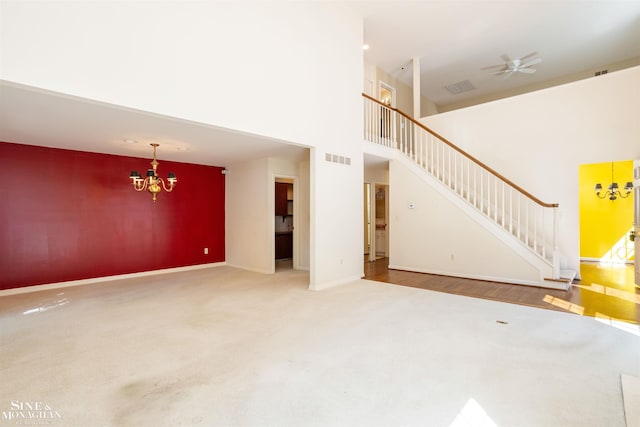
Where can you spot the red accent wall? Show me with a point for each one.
(68, 215)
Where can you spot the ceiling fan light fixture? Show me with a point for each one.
(511, 66)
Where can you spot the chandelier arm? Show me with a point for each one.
(167, 189)
(141, 185)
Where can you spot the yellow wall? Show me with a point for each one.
(604, 224)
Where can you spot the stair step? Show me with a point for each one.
(564, 282)
(568, 274)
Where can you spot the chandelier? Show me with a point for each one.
(613, 191)
(152, 182)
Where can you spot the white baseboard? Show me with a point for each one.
(48, 286)
(540, 284)
(327, 285)
(600, 261)
(254, 270)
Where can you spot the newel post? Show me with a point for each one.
(556, 251)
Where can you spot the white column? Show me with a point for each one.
(416, 87)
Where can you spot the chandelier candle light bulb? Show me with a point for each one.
(152, 181)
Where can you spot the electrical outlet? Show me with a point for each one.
(206, 251)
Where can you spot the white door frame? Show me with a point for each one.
(636, 219)
(366, 226)
(372, 220)
(383, 85)
(385, 187)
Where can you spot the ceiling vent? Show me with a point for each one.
(457, 88)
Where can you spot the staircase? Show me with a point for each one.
(525, 223)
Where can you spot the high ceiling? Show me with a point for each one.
(454, 40)
(457, 40)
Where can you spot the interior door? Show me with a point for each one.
(636, 218)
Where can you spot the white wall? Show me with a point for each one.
(250, 227)
(436, 236)
(337, 210)
(377, 173)
(288, 70)
(248, 219)
(539, 139)
(304, 216)
(241, 65)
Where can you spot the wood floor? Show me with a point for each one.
(606, 292)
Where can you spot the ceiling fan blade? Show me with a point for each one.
(507, 75)
(493, 66)
(527, 70)
(532, 54)
(532, 62)
(505, 57)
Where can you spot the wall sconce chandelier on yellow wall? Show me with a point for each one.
(613, 191)
(152, 181)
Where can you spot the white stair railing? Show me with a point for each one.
(523, 215)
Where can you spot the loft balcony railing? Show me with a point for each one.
(530, 220)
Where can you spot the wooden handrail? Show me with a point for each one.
(468, 156)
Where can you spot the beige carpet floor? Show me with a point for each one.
(225, 347)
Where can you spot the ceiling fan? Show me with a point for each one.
(511, 66)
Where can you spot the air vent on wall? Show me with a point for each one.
(601, 72)
(457, 88)
(335, 158)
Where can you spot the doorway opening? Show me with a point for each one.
(607, 225)
(381, 221)
(376, 220)
(284, 242)
(387, 94)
